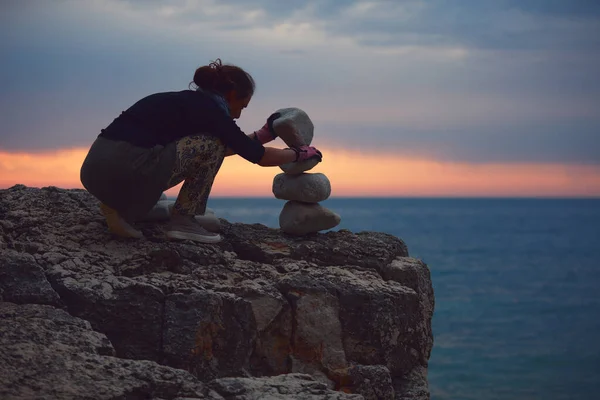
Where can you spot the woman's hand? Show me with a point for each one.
(276, 157)
(267, 133)
(304, 153)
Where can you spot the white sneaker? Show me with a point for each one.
(185, 227)
(117, 225)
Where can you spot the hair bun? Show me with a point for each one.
(217, 65)
(218, 78)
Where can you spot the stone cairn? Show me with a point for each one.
(302, 214)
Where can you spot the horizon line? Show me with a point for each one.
(362, 196)
(442, 197)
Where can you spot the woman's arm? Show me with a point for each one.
(230, 152)
(264, 135)
(274, 157)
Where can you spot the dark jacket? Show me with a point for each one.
(163, 118)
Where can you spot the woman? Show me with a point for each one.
(170, 137)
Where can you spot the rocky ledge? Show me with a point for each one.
(261, 315)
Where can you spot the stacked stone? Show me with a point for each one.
(302, 214)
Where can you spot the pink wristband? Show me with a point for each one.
(264, 135)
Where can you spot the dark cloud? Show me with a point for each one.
(477, 24)
(560, 8)
(480, 24)
(506, 25)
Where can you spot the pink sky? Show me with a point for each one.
(350, 174)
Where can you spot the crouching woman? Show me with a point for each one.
(172, 137)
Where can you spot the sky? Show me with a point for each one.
(408, 98)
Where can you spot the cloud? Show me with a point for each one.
(475, 24)
(480, 24)
(504, 144)
(474, 81)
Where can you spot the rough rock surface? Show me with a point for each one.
(47, 353)
(298, 218)
(23, 281)
(309, 188)
(260, 315)
(296, 386)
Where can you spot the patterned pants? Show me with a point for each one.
(197, 162)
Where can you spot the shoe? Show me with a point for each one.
(186, 227)
(209, 221)
(117, 225)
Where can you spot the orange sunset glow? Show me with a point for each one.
(350, 173)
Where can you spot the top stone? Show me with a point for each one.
(294, 127)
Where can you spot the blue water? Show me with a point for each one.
(517, 287)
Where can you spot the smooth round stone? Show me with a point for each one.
(308, 188)
(294, 127)
(296, 168)
(298, 218)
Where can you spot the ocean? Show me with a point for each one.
(516, 281)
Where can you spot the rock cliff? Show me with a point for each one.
(334, 315)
